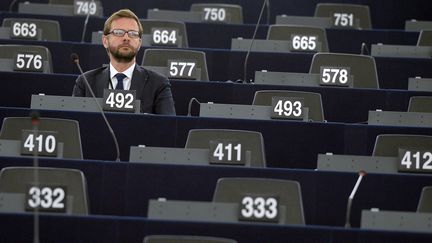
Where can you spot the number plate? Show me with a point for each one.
(119, 100)
(44, 144)
(46, 198)
(306, 43)
(345, 20)
(415, 160)
(261, 208)
(226, 152)
(287, 108)
(215, 15)
(164, 37)
(336, 76)
(24, 30)
(28, 61)
(182, 69)
(86, 7)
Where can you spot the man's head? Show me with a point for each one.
(122, 35)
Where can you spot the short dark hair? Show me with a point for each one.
(122, 13)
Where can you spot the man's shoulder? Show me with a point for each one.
(151, 75)
(96, 71)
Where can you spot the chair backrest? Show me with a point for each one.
(288, 192)
(362, 68)
(50, 29)
(250, 141)
(425, 202)
(185, 239)
(311, 100)
(425, 38)
(296, 34)
(420, 104)
(388, 144)
(345, 15)
(66, 2)
(18, 180)
(10, 52)
(215, 12)
(162, 57)
(67, 132)
(180, 27)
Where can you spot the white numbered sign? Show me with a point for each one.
(259, 208)
(164, 37)
(335, 76)
(43, 143)
(85, 7)
(46, 198)
(287, 108)
(119, 100)
(415, 161)
(304, 43)
(215, 14)
(32, 62)
(343, 19)
(182, 69)
(226, 152)
(24, 30)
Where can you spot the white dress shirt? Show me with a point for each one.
(126, 82)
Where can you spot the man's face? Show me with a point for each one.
(122, 48)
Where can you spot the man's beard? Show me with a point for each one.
(122, 57)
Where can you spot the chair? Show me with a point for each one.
(16, 180)
(66, 2)
(425, 202)
(425, 38)
(311, 100)
(286, 32)
(215, 12)
(387, 145)
(68, 132)
(50, 28)
(363, 68)
(8, 52)
(420, 104)
(251, 141)
(149, 24)
(160, 58)
(185, 239)
(345, 15)
(232, 190)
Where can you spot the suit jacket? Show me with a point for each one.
(152, 89)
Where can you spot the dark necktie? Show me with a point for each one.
(120, 77)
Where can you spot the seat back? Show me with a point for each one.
(216, 12)
(250, 141)
(233, 190)
(362, 68)
(295, 34)
(185, 239)
(420, 104)
(18, 180)
(67, 132)
(425, 202)
(49, 29)
(388, 144)
(425, 38)
(345, 15)
(66, 2)
(161, 58)
(8, 54)
(180, 27)
(311, 100)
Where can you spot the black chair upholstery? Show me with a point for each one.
(361, 13)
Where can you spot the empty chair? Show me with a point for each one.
(233, 190)
(195, 63)
(66, 2)
(425, 38)
(425, 202)
(311, 100)
(149, 24)
(420, 104)
(49, 29)
(18, 180)
(362, 68)
(250, 141)
(215, 12)
(388, 145)
(314, 35)
(8, 54)
(345, 15)
(67, 132)
(185, 239)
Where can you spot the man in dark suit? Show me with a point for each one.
(122, 40)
